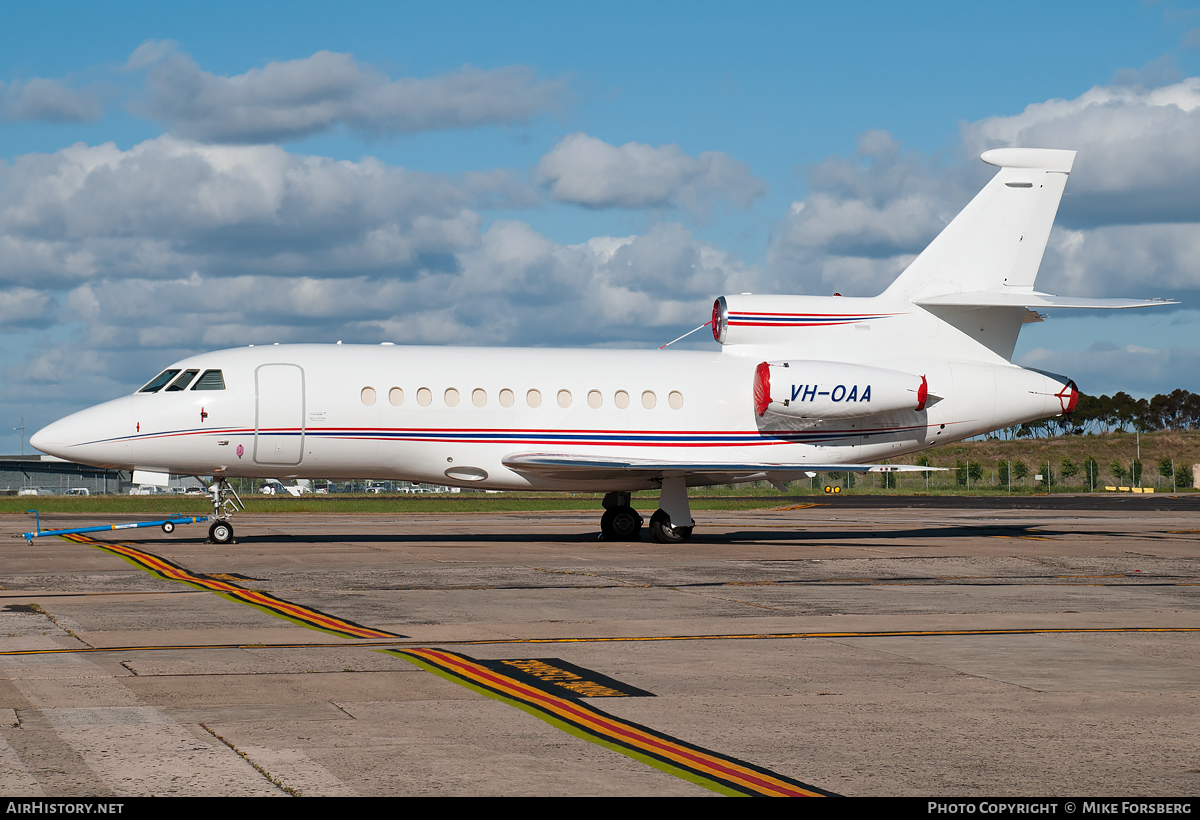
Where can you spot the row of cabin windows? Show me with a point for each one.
(533, 398)
(211, 380)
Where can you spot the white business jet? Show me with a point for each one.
(801, 385)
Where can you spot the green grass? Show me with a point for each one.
(1184, 447)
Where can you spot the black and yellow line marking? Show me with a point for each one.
(721, 773)
(751, 636)
(565, 679)
(297, 614)
(714, 771)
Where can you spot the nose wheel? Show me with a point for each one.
(221, 532)
(225, 502)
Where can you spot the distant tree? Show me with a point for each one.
(1019, 470)
(967, 470)
(1135, 471)
(1002, 473)
(1166, 468)
(1068, 468)
(1047, 475)
(1091, 471)
(1117, 469)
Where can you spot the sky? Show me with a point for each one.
(179, 179)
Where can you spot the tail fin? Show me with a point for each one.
(996, 243)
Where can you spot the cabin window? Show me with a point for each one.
(368, 396)
(396, 396)
(564, 398)
(158, 382)
(533, 398)
(451, 397)
(183, 381)
(479, 397)
(424, 396)
(621, 399)
(506, 398)
(595, 399)
(649, 400)
(675, 400)
(211, 380)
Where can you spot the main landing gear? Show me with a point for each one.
(225, 503)
(621, 522)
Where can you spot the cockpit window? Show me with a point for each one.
(211, 380)
(158, 382)
(183, 381)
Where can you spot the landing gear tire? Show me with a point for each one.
(664, 533)
(168, 527)
(221, 532)
(606, 527)
(621, 524)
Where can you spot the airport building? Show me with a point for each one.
(48, 475)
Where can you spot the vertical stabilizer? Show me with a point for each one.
(997, 242)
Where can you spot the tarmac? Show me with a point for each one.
(830, 646)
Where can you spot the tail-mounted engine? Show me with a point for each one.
(755, 318)
(832, 390)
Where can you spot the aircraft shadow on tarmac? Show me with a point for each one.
(748, 536)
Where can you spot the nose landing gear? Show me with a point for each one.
(225, 503)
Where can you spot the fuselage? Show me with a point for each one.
(450, 415)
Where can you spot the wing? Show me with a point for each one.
(564, 467)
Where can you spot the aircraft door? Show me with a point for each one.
(279, 414)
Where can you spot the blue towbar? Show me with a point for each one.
(168, 526)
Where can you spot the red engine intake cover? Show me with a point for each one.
(762, 388)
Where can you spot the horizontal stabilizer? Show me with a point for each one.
(1033, 299)
(997, 241)
(566, 467)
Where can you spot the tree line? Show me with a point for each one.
(1177, 410)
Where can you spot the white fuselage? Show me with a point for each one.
(788, 391)
(444, 414)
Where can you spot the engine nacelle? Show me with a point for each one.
(832, 390)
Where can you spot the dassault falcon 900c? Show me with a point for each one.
(801, 384)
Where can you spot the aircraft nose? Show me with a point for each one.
(50, 438)
(91, 436)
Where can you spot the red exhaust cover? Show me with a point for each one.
(1069, 397)
(922, 394)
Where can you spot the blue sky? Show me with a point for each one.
(181, 179)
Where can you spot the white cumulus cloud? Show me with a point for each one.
(290, 99)
(587, 171)
(46, 100)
